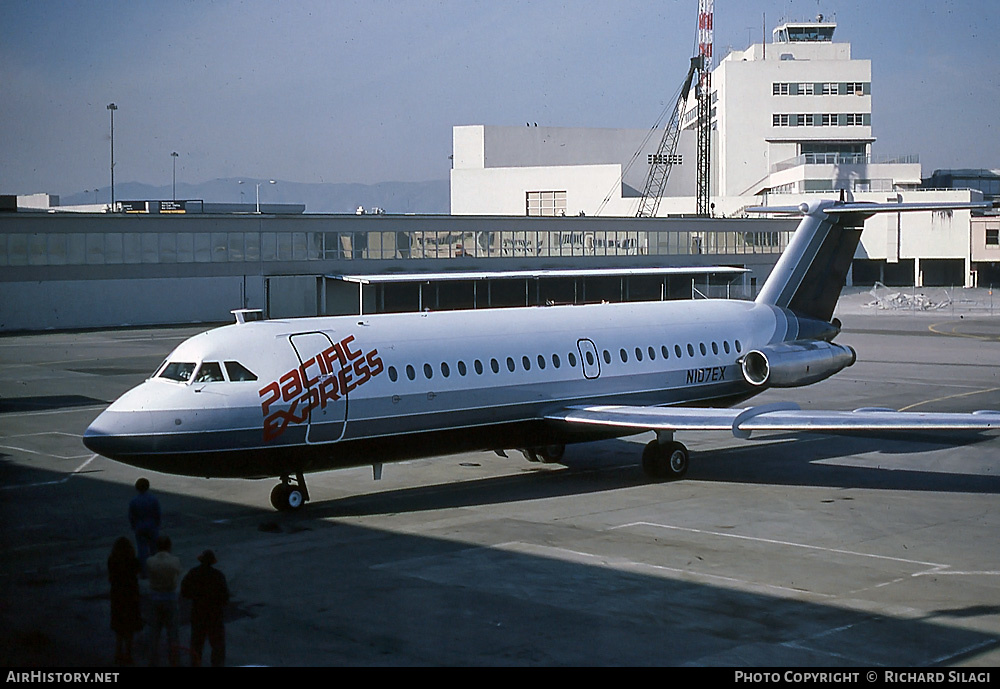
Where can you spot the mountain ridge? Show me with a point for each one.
(430, 197)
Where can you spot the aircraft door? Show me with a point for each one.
(588, 358)
(319, 369)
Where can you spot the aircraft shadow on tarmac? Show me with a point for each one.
(771, 461)
(798, 463)
(474, 605)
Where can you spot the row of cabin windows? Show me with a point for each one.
(541, 362)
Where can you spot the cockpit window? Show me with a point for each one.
(238, 372)
(210, 372)
(178, 371)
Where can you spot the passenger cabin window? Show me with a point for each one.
(178, 371)
(238, 372)
(210, 372)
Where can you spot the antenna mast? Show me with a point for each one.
(706, 11)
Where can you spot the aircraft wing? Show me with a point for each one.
(774, 417)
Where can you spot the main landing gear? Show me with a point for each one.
(665, 459)
(288, 496)
(544, 453)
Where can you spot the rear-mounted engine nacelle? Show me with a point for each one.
(790, 364)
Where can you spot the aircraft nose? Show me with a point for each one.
(115, 434)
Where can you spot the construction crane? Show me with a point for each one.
(663, 160)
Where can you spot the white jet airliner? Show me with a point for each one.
(281, 398)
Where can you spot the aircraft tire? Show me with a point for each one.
(550, 453)
(286, 498)
(295, 499)
(667, 462)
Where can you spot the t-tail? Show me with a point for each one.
(809, 275)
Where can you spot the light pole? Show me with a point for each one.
(174, 156)
(112, 107)
(270, 181)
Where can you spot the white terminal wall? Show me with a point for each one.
(745, 106)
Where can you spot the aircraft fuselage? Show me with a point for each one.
(344, 391)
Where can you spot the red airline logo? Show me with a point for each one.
(322, 379)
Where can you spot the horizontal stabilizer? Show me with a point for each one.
(862, 207)
(809, 275)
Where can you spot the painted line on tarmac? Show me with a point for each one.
(39, 452)
(949, 397)
(935, 328)
(52, 483)
(934, 567)
(63, 410)
(628, 565)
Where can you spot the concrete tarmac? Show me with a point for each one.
(809, 550)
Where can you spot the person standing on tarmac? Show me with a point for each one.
(209, 594)
(144, 517)
(164, 573)
(126, 619)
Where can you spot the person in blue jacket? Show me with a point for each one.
(144, 517)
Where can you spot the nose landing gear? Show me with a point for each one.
(288, 496)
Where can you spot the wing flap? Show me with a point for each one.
(774, 417)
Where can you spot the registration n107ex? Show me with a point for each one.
(282, 398)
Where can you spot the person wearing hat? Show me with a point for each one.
(206, 587)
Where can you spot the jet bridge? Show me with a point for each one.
(441, 291)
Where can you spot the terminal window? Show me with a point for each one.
(660, 159)
(547, 203)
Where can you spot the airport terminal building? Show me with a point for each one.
(79, 270)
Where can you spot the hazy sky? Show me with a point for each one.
(368, 91)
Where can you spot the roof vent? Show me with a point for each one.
(247, 315)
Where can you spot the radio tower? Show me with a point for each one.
(706, 10)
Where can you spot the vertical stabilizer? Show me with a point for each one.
(808, 277)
